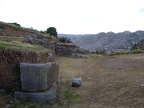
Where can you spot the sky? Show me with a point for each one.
(75, 16)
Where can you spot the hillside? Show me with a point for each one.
(108, 42)
(19, 44)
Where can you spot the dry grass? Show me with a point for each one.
(107, 82)
(12, 38)
(16, 45)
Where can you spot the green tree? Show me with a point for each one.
(52, 31)
(65, 40)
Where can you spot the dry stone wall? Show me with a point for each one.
(66, 50)
(38, 39)
(10, 65)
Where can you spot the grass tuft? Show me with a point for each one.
(71, 95)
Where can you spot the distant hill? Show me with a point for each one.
(108, 42)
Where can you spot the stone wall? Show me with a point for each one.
(63, 49)
(38, 39)
(10, 68)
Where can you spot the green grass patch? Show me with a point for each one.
(13, 25)
(20, 46)
(12, 38)
(119, 85)
(21, 104)
(118, 53)
(1, 28)
(136, 51)
(71, 95)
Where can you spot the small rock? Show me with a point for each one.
(50, 55)
(141, 85)
(76, 82)
(2, 91)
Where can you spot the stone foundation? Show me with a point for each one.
(47, 97)
(39, 82)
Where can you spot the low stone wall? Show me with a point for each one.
(65, 49)
(10, 65)
(38, 39)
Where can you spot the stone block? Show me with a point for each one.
(76, 82)
(47, 97)
(35, 77)
(55, 70)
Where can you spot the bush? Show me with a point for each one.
(65, 40)
(117, 53)
(1, 28)
(136, 51)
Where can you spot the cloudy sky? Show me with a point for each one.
(75, 16)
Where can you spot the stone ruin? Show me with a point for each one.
(39, 82)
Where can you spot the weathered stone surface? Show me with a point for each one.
(38, 77)
(55, 70)
(2, 91)
(84, 56)
(76, 82)
(39, 39)
(34, 76)
(74, 55)
(48, 96)
(10, 65)
(80, 51)
(65, 49)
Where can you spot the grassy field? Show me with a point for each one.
(107, 82)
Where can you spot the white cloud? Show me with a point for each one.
(75, 16)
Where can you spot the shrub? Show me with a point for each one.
(117, 53)
(65, 40)
(1, 28)
(137, 51)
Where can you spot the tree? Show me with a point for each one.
(52, 31)
(65, 40)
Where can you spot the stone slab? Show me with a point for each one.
(47, 97)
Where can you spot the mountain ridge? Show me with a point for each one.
(108, 42)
